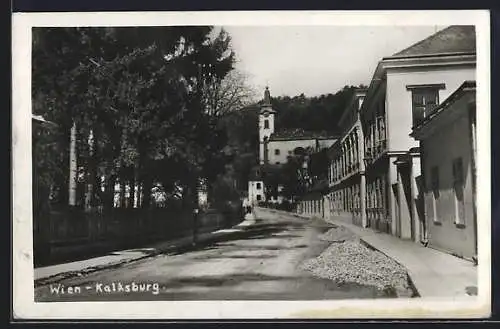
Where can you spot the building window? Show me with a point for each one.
(259, 197)
(425, 98)
(458, 186)
(435, 193)
(277, 162)
(277, 152)
(258, 186)
(266, 124)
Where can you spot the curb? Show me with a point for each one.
(411, 285)
(177, 245)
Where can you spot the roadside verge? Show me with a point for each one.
(56, 273)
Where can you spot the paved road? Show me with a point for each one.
(261, 262)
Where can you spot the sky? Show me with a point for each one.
(317, 60)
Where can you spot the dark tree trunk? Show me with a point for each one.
(131, 197)
(109, 192)
(148, 184)
(123, 199)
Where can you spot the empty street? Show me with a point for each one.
(260, 262)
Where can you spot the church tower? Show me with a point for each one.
(266, 125)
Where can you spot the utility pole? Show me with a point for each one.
(72, 166)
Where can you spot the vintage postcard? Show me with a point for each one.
(251, 165)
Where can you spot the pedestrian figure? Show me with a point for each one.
(247, 206)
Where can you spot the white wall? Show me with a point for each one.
(399, 102)
(285, 147)
(253, 191)
(454, 138)
(265, 132)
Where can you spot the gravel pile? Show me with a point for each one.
(352, 262)
(338, 234)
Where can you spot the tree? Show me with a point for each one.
(139, 91)
(231, 94)
(318, 165)
(318, 113)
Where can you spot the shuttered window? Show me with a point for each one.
(424, 101)
(458, 186)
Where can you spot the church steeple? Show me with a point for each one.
(266, 124)
(267, 97)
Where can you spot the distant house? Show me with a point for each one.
(447, 138)
(256, 188)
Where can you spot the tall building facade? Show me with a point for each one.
(403, 89)
(346, 176)
(376, 175)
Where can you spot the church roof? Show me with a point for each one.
(249, 108)
(453, 39)
(298, 133)
(267, 110)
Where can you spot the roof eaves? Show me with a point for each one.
(377, 77)
(417, 56)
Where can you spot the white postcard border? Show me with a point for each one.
(23, 292)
